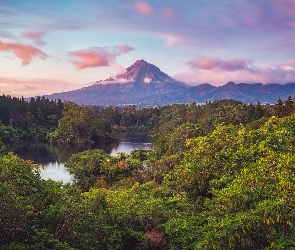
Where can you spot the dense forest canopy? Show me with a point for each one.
(21, 120)
(220, 176)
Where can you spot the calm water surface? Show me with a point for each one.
(53, 157)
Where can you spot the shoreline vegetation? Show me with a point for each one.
(220, 176)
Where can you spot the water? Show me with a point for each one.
(53, 157)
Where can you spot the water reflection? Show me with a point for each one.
(56, 171)
(52, 157)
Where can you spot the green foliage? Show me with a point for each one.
(44, 214)
(135, 119)
(256, 210)
(80, 125)
(25, 200)
(138, 212)
(179, 122)
(174, 142)
(256, 124)
(86, 166)
(221, 176)
(285, 108)
(29, 120)
(95, 168)
(241, 182)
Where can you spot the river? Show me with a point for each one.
(52, 157)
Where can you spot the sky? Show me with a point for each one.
(50, 46)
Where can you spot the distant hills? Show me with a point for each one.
(144, 84)
(247, 93)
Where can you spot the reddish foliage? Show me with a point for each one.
(155, 236)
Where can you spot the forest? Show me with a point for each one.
(221, 175)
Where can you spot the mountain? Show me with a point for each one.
(247, 93)
(144, 84)
(141, 71)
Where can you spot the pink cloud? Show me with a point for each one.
(209, 63)
(168, 13)
(286, 7)
(36, 37)
(91, 58)
(276, 73)
(143, 9)
(24, 52)
(98, 56)
(218, 78)
(125, 48)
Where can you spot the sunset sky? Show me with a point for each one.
(55, 46)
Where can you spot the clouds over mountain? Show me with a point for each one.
(218, 71)
(209, 63)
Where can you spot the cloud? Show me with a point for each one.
(91, 58)
(263, 30)
(234, 22)
(218, 78)
(274, 73)
(209, 63)
(36, 37)
(143, 8)
(168, 12)
(279, 73)
(113, 80)
(147, 80)
(98, 56)
(286, 7)
(124, 48)
(24, 52)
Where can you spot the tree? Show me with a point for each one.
(240, 182)
(80, 125)
(288, 106)
(279, 108)
(25, 200)
(44, 214)
(95, 168)
(138, 213)
(86, 166)
(256, 211)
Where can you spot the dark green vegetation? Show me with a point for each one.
(21, 120)
(43, 120)
(220, 176)
(79, 124)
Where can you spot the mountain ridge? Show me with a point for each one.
(144, 84)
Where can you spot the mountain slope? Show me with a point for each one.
(247, 93)
(141, 71)
(144, 84)
(141, 84)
